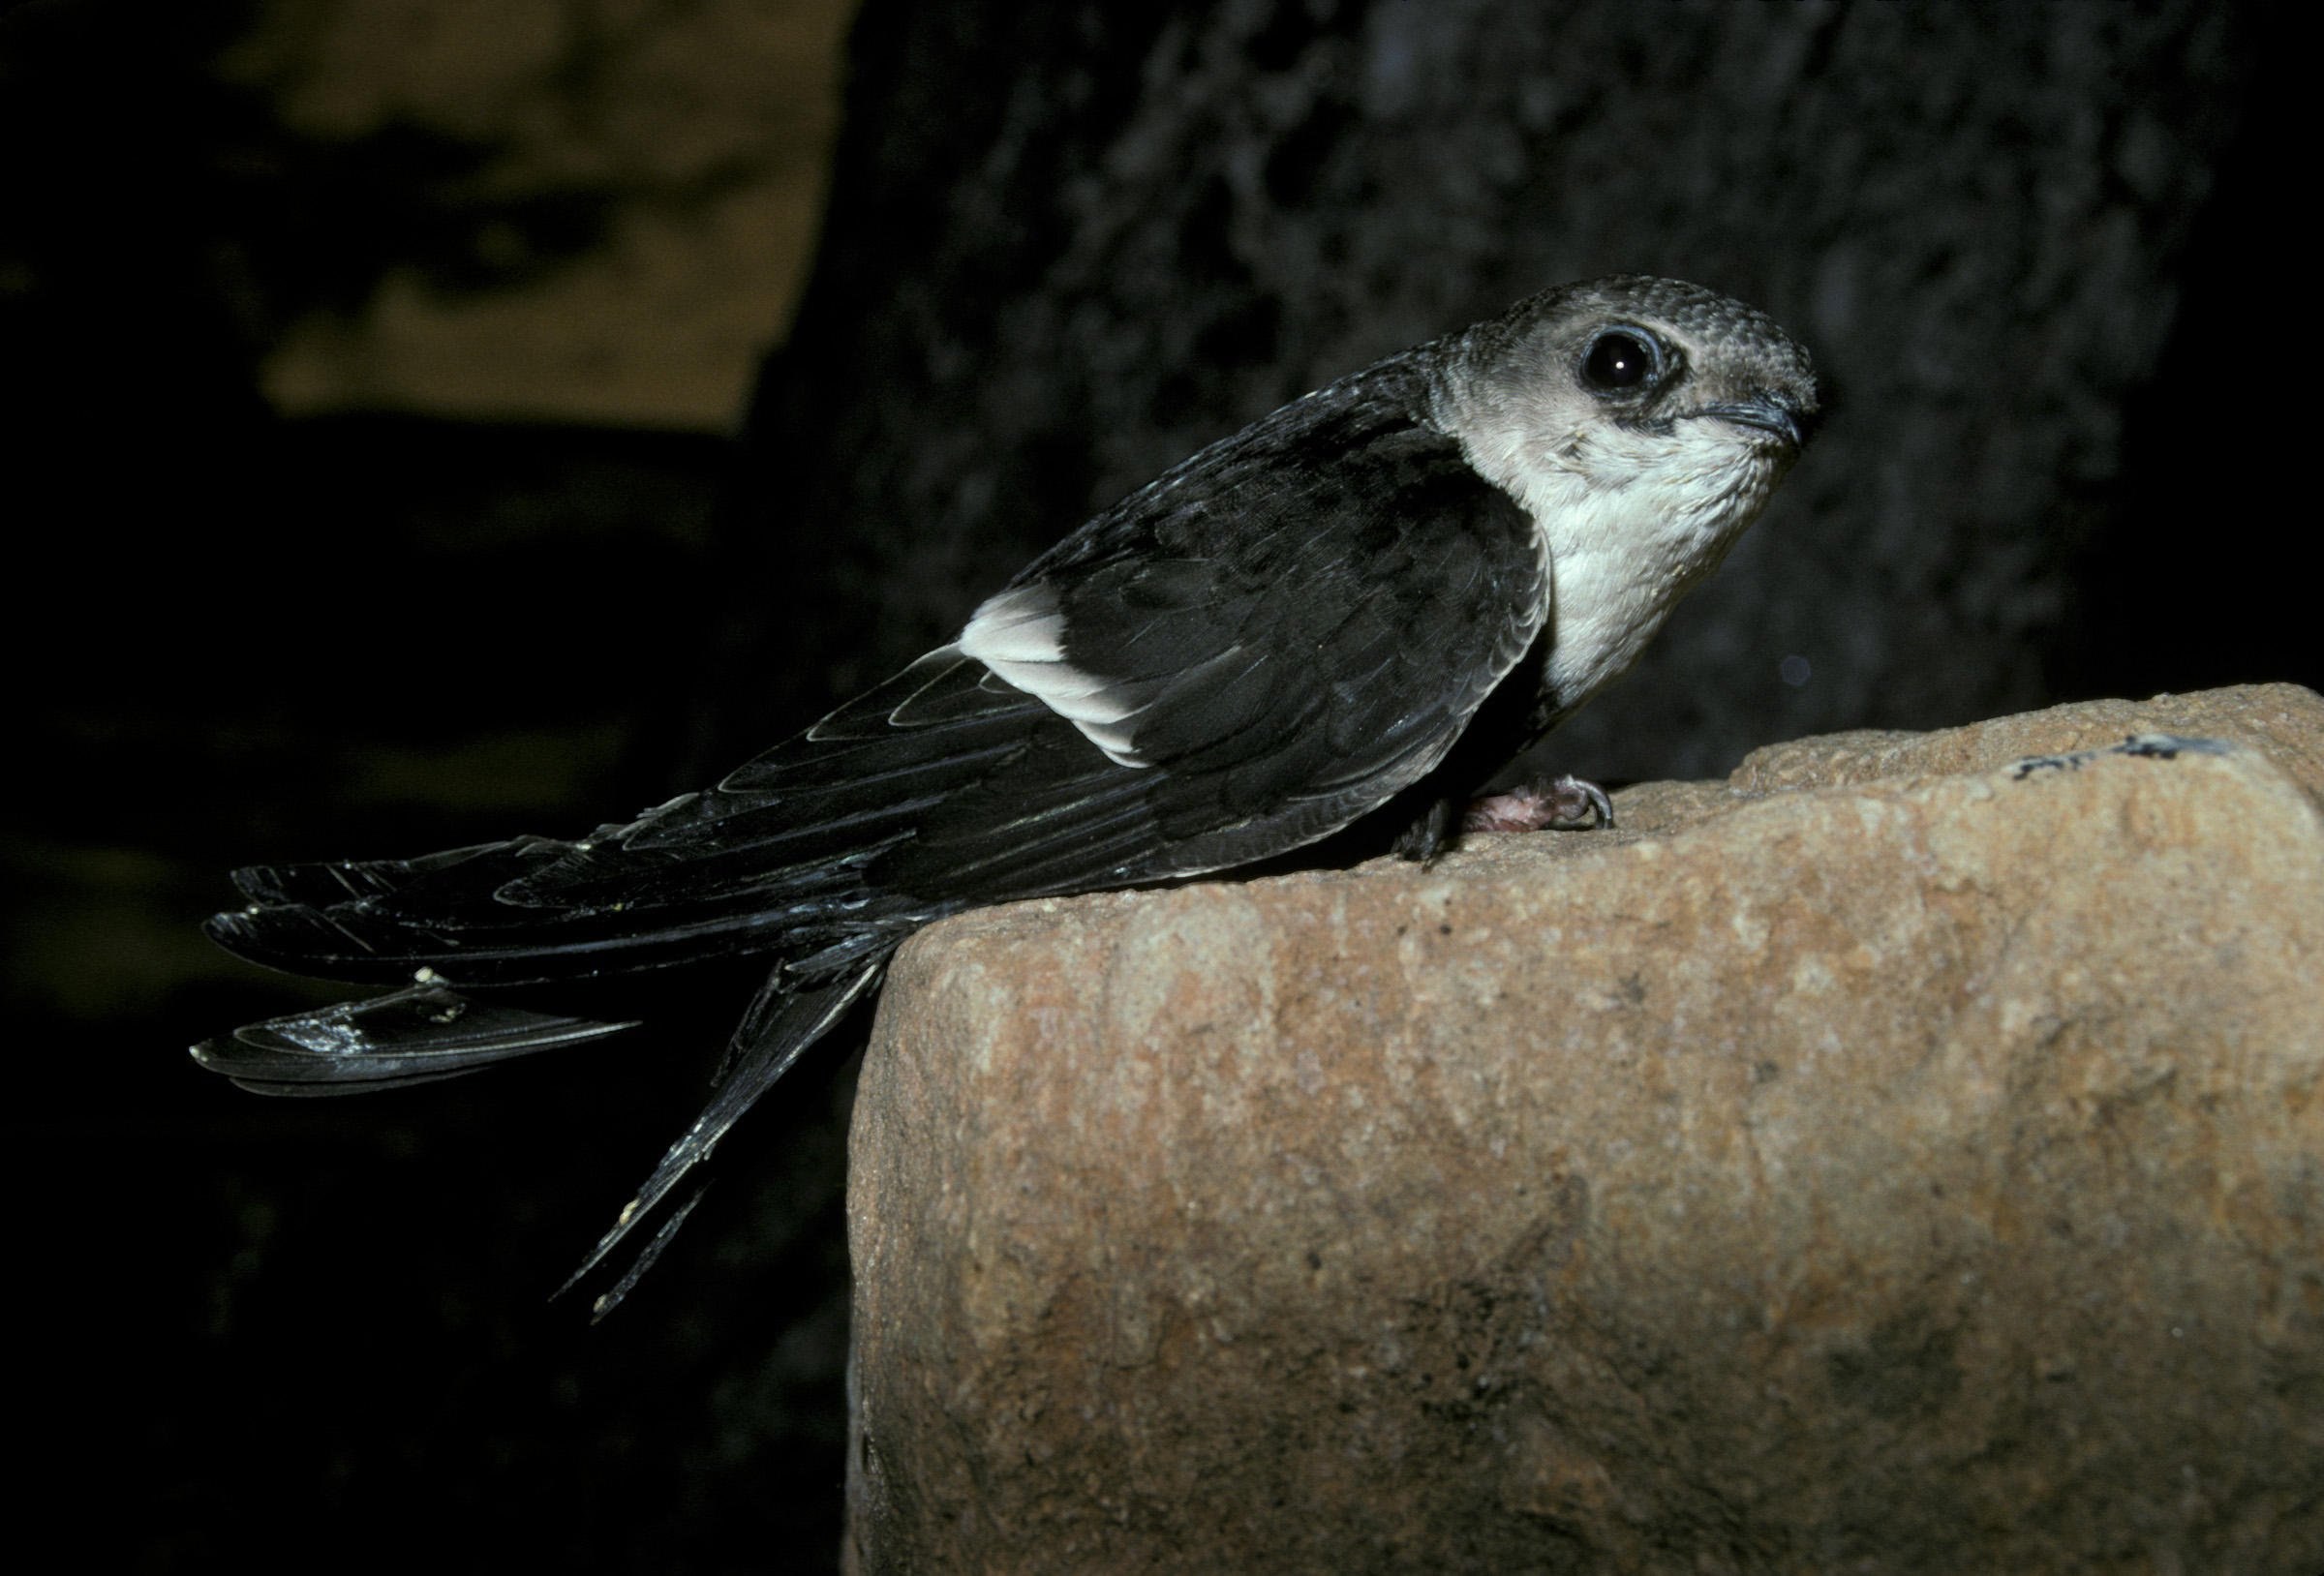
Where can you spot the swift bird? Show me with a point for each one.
(1348, 615)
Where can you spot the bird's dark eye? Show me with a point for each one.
(1621, 359)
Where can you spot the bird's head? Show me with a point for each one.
(1690, 403)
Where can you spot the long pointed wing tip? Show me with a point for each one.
(215, 1054)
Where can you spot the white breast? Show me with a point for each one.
(1630, 518)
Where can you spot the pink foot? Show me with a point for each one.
(1564, 804)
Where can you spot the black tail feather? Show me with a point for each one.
(785, 1019)
(644, 1262)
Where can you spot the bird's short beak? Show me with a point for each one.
(1770, 413)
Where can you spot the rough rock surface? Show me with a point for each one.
(1903, 1157)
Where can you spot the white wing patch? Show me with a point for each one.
(1021, 635)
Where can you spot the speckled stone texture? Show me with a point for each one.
(1899, 1157)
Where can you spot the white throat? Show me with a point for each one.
(1628, 519)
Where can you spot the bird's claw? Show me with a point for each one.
(1562, 804)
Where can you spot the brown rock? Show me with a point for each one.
(1897, 1160)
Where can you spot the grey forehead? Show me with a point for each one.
(1688, 310)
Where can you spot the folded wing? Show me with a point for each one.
(1245, 655)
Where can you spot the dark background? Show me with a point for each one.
(2035, 248)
